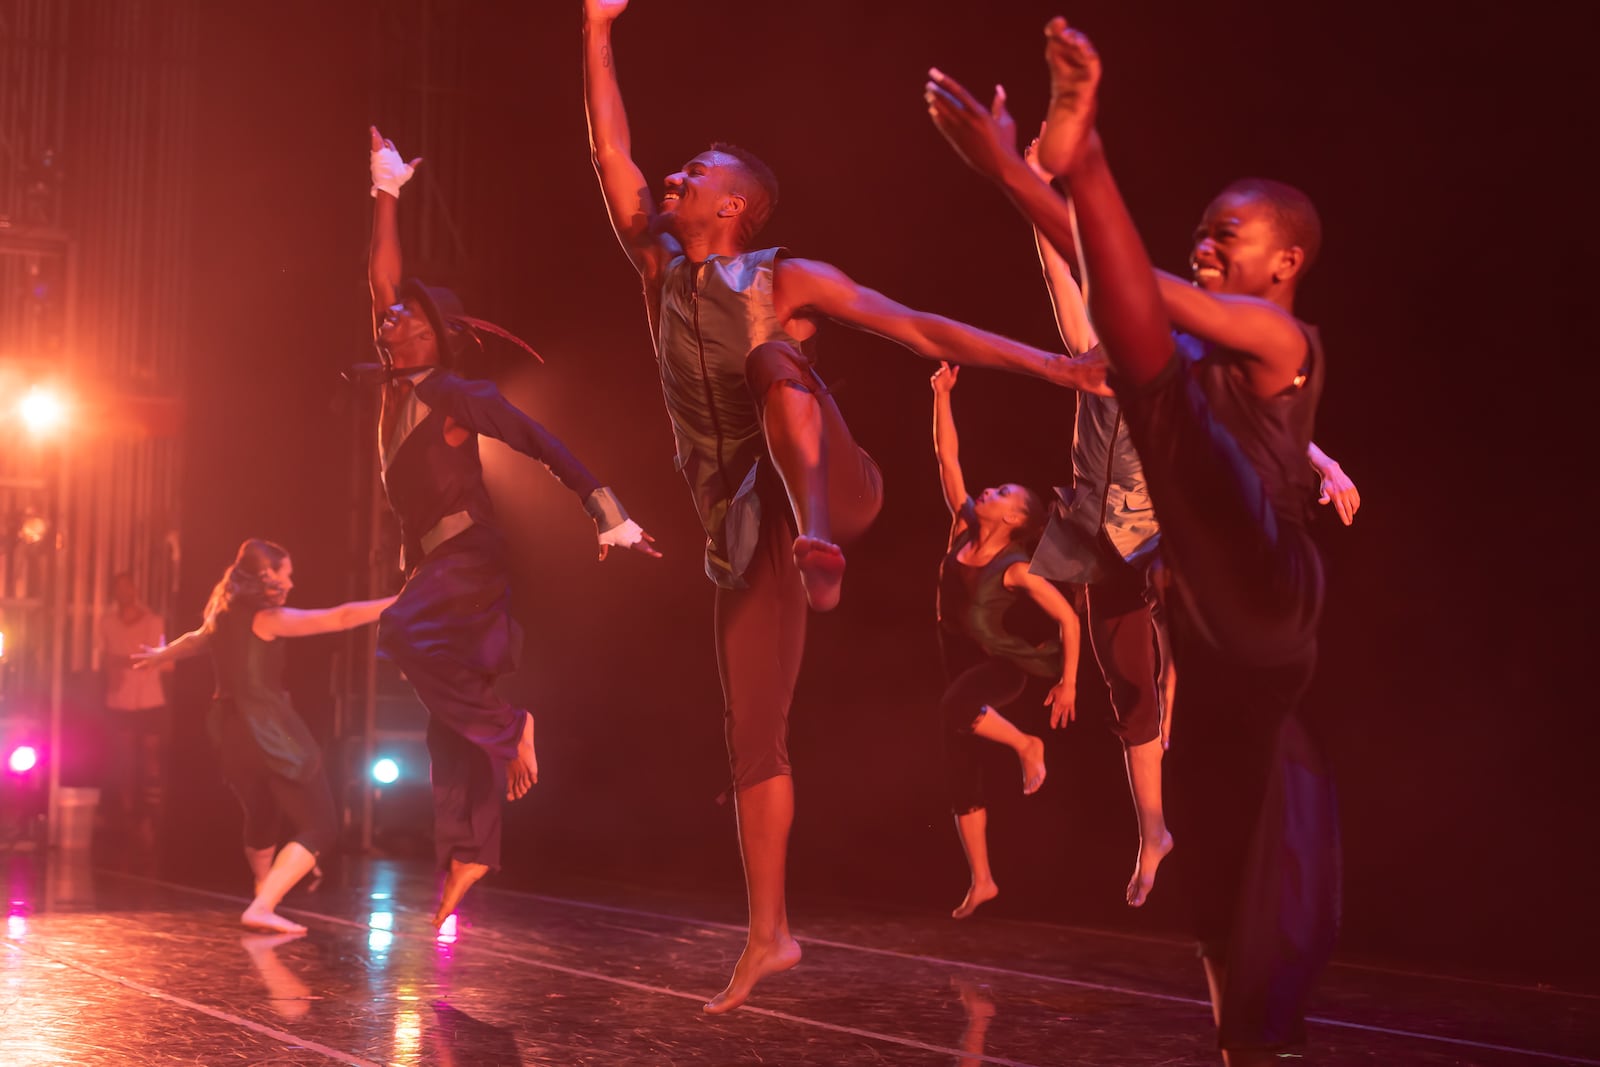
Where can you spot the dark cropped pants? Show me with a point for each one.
(761, 629)
(451, 635)
(1251, 799)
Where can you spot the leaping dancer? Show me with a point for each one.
(779, 483)
(1222, 420)
(451, 632)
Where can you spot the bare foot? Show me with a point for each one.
(1074, 78)
(977, 893)
(1151, 853)
(821, 566)
(260, 918)
(1031, 756)
(456, 884)
(523, 771)
(755, 963)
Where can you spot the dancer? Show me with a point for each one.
(1222, 421)
(1104, 536)
(778, 481)
(267, 755)
(451, 633)
(987, 664)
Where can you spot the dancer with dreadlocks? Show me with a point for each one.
(451, 633)
(268, 757)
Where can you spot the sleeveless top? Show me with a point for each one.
(1108, 493)
(1274, 433)
(974, 603)
(712, 315)
(250, 687)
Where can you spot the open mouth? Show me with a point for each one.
(1205, 274)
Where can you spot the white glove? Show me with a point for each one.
(389, 171)
(624, 535)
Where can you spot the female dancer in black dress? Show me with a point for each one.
(267, 755)
(988, 663)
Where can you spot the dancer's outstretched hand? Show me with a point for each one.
(944, 379)
(603, 10)
(629, 535)
(146, 657)
(986, 137)
(389, 170)
(1341, 492)
(1063, 701)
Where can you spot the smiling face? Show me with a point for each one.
(407, 336)
(1238, 248)
(703, 195)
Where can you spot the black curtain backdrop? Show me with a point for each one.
(1431, 137)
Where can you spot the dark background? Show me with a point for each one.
(1455, 651)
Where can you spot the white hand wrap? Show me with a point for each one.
(625, 535)
(389, 171)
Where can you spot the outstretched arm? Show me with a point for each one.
(946, 447)
(190, 644)
(806, 288)
(1063, 696)
(1273, 344)
(298, 622)
(627, 194)
(478, 406)
(389, 173)
(1337, 488)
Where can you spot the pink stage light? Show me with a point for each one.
(23, 759)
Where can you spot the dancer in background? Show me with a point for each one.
(451, 632)
(988, 663)
(267, 756)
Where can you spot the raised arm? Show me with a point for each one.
(946, 447)
(1063, 696)
(389, 173)
(297, 622)
(623, 184)
(1066, 297)
(190, 644)
(808, 289)
(1337, 488)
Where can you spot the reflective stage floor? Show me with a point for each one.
(108, 968)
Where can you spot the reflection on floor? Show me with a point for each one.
(108, 968)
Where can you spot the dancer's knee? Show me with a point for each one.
(777, 363)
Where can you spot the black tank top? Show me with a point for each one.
(974, 603)
(250, 692)
(1273, 432)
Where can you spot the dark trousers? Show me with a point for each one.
(451, 635)
(1249, 794)
(135, 751)
(761, 629)
(277, 808)
(976, 683)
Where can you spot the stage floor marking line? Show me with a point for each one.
(642, 987)
(1079, 983)
(216, 1013)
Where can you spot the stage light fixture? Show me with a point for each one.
(23, 759)
(42, 410)
(386, 771)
